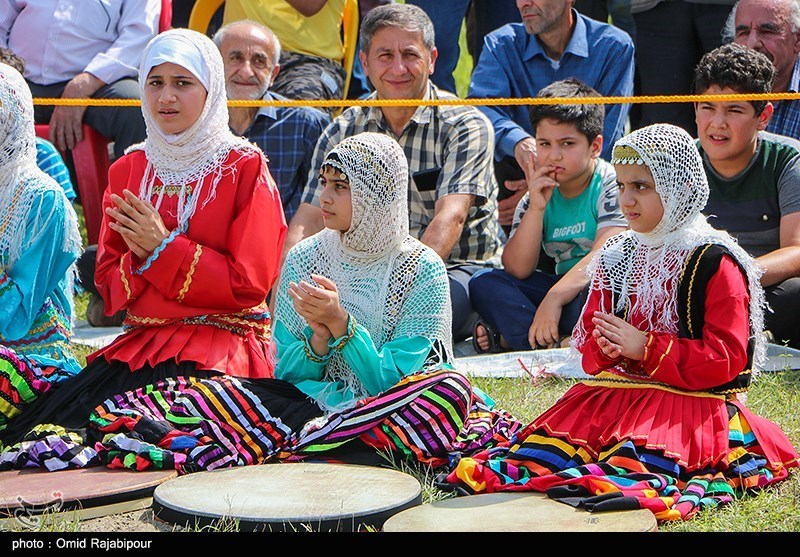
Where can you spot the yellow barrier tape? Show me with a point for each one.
(443, 102)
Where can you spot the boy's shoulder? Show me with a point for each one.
(786, 145)
(605, 170)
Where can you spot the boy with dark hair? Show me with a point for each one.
(569, 210)
(754, 177)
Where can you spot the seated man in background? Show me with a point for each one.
(452, 202)
(772, 27)
(48, 159)
(754, 177)
(552, 43)
(312, 50)
(287, 135)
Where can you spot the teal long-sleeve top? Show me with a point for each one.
(36, 304)
(377, 370)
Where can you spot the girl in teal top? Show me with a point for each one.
(362, 303)
(39, 244)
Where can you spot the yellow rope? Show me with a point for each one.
(442, 102)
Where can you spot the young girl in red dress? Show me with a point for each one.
(672, 334)
(190, 245)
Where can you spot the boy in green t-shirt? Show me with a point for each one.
(570, 209)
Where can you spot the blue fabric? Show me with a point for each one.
(509, 304)
(514, 65)
(786, 117)
(157, 252)
(287, 136)
(447, 18)
(35, 294)
(49, 160)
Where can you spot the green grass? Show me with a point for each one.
(463, 69)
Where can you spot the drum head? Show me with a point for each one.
(514, 512)
(31, 492)
(287, 497)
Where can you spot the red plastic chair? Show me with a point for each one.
(91, 161)
(166, 16)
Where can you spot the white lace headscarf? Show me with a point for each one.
(21, 181)
(197, 154)
(647, 265)
(375, 263)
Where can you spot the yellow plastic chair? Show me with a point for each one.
(202, 13)
(350, 40)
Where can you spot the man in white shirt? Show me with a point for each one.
(82, 49)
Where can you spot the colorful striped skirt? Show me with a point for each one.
(627, 471)
(192, 424)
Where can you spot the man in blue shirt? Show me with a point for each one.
(772, 27)
(552, 43)
(287, 135)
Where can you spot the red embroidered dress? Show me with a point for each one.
(202, 297)
(664, 402)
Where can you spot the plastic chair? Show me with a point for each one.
(91, 161)
(166, 16)
(202, 13)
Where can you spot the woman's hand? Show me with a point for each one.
(320, 304)
(618, 338)
(138, 222)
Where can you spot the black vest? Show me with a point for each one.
(700, 266)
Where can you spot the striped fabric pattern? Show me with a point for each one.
(188, 424)
(50, 447)
(194, 424)
(21, 382)
(423, 413)
(429, 417)
(624, 477)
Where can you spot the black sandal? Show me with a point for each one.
(494, 339)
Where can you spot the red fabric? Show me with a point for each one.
(691, 429)
(224, 267)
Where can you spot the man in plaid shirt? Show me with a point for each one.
(452, 189)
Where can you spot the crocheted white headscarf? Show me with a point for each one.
(375, 263)
(197, 154)
(647, 265)
(21, 181)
